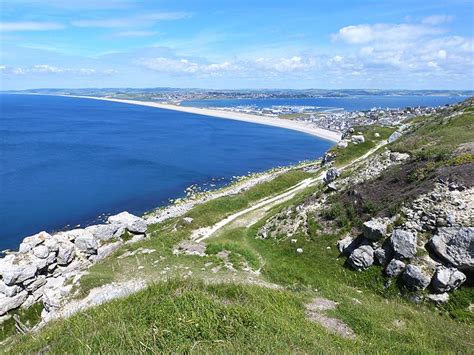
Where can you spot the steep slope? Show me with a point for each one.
(273, 278)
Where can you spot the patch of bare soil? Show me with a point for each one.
(314, 312)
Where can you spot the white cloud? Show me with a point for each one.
(185, 66)
(360, 34)
(29, 26)
(135, 34)
(437, 20)
(50, 69)
(143, 20)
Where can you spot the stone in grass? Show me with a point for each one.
(374, 229)
(361, 258)
(403, 244)
(415, 279)
(447, 279)
(394, 268)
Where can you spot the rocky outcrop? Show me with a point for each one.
(356, 139)
(44, 262)
(456, 246)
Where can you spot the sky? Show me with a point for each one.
(236, 44)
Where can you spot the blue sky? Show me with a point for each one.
(237, 44)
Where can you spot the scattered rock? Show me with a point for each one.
(190, 247)
(346, 245)
(415, 278)
(41, 251)
(394, 136)
(438, 298)
(9, 291)
(343, 144)
(15, 273)
(188, 220)
(104, 232)
(9, 303)
(362, 257)
(66, 253)
(383, 253)
(394, 268)
(447, 279)
(374, 229)
(299, 250)
(403, 244)
(86, 243)
(455, 245)
(106, 250)
(356, 139)
(331, 175)
(30, 242)
(133, 223)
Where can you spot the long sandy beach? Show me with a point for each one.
(269, 121)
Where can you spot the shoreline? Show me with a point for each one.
(237, 116)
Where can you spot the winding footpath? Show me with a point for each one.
(201, 234)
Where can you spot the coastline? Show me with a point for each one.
(262, 120)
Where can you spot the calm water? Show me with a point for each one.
(348, 103)
(65, 161)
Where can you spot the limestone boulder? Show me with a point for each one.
(394, 268)
(132, 223)
(456, 246)
(66, 253)
(10, 303)
(30, 242)
(375, 229)
(415, 279)
(403, 244)
(361, 258)
(331, 175)
(447, 279)
(86, 243)
(103, 232)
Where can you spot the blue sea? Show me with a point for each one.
(66, 161)
(354, 103)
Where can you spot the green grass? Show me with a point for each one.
(353, 151)
(435, 138)
(28, 317)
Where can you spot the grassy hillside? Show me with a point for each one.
(257, 305)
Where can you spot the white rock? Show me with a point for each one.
(30, 242)
(361, 258)
(86, 243)
(394, 268)
(299, 250)
(41, 251)
(356, 139)
(438, 298)
(36, 284)
(52, 244)
(403, 244)
(293, 241)
(106, 250)
(342, 144)
(9, 303)
(374, 229)
(447, 279)
(15, 274)
(415, 278)
(9, 291)
(66, 253)
(133, 223)
(103, 232)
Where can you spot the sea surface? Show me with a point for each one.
(65, 161)
(354, 103)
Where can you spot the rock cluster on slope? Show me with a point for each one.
(39, 271)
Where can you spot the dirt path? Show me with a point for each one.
(203, 233)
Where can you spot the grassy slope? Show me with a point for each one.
(177, 315)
